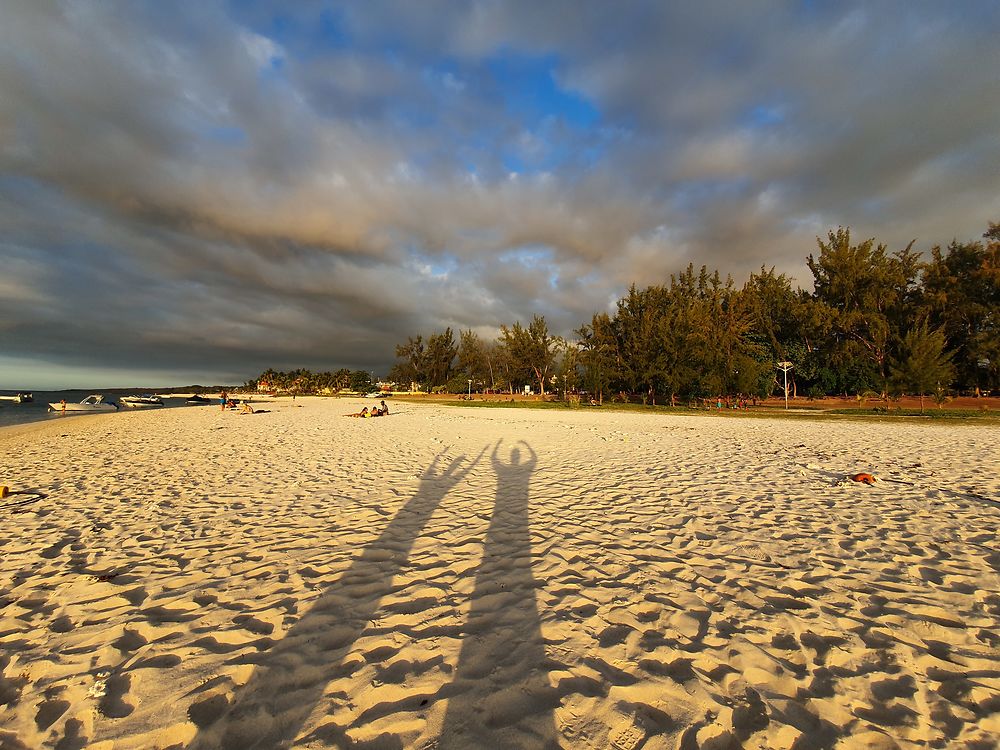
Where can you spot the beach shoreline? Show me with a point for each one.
(457, 577)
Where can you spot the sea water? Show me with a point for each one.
(12, 413)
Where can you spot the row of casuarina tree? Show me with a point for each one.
(303, 381)
(875, 324)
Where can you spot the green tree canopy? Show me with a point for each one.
(361, 381)
(923, 365)
(530, 352)
(598, 354)
(412, 364)
(868, 295)
(438, 358)
(962, 296)
(474, 361)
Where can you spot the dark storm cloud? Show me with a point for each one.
(221, 188)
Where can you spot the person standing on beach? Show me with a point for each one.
(223, 399)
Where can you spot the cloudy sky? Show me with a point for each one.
(196, 191)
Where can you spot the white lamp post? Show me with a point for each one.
(470, 389)
(785, 367)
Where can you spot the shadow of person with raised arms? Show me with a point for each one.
(289, 680)
(500, 697)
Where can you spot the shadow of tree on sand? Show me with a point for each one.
(501, 697)
(288, 682)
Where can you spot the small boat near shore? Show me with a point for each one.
(19, 398)
(197, 400)
(93, 402)
(141, 402)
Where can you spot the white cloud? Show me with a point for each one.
(263, 51)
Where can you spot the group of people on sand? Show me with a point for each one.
(734, 402)
(376, 411)
(245, 408)
(227, 403)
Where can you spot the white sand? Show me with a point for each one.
(600, 580)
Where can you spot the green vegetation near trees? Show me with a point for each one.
(361, 381)
(300, 381)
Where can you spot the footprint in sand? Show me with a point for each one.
(11, 687)
(627, 737)
(160, 614)
(679, 670)
(130, 640)
(135, 596)
(254, 625)
(113, 704)
(74, 737)
(163, 661)
(62, 624)
(900, 687)
(49, 711)
(205, 712)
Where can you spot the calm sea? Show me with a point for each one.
(37, 411)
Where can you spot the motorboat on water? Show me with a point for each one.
(140, 402)
(94, 402)
(198, 400)
(19, 398)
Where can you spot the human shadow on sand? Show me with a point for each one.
(500, 696)
(289, 681)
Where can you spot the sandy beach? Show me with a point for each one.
(452, 577)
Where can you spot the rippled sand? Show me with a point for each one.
(461, 578)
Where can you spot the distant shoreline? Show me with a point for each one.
(959, 410)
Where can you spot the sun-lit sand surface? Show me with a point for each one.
(464, 578)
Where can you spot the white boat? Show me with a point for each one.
(20, 398)
(140, 402)
(91, 403)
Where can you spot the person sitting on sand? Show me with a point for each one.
(245, 408)
(383, 410)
